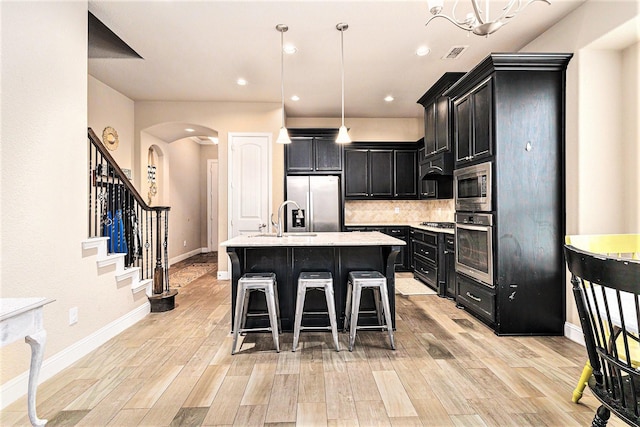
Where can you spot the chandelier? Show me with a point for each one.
(479, 21)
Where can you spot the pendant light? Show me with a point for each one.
(283, 136)
(343, 134)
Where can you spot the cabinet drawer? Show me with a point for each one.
(427, 251)
(477, 298)
(426, 272)
(424, 236)
(398, 232)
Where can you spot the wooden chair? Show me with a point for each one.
(606, 289)
(613, 245)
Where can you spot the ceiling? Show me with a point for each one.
(196, 50)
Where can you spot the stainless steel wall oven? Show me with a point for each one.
(474, 246)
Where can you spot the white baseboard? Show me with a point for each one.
(223, 275)
(574, 333)
(187, 255)
(15, 388)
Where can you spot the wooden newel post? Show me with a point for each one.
(163, 298)
(158, 273)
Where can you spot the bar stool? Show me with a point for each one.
(315, 280)
(359, 280)
(248, 283)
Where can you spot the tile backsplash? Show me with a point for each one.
(384, 211)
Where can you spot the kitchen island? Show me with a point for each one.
(288, 256)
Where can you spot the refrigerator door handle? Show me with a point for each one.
(310, 210)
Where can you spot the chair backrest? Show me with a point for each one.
(618, 245)
(606, 289)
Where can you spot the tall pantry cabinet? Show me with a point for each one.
(510, 110)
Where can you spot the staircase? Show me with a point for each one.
(125, 232)
(122, 274)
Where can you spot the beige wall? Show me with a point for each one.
(108, 107)
(631, 137)
(44, 179)
(602, 84)
(184, 186)
(368, 129)
(224, 117)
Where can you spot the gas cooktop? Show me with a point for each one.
(438, 224)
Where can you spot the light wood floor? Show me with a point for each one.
(176, 368)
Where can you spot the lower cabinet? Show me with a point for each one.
(399, 232)
(450, 265)
(478, 298)
(432, 260)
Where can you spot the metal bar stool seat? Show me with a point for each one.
(321, 281)
(248, 283)
(359, 280)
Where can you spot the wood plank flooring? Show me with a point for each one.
(176, 369)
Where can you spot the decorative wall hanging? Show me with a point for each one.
(110, 138)
(151, 176)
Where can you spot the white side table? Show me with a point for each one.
(22, 317)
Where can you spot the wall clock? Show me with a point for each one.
(110, 138)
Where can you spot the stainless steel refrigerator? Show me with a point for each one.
(319, 200)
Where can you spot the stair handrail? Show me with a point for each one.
(112, 162)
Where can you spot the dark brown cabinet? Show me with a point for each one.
(368, 173)
(511, 109)
(473, 134)
(432, 260)
(399, 232)
(380, 173)
(405, 183)
(313, 151)
(438, 125)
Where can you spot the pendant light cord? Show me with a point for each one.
(282, 73)
(342, 68)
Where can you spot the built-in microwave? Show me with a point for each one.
(472, 188)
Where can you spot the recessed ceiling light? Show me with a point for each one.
(388, 98)
(290, 49)
(295, 98)
(190, 130)
(241, 82)
(423, 51)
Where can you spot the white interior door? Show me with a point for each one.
(212, 205)
(250, 183)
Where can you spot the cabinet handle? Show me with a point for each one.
(474, 297)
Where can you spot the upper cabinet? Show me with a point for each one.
(405, 184)
(380, 171)
(438, 125)
(473, 134)
(313, 151)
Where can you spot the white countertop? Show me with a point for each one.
(365, 238)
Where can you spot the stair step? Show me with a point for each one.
(93, 242)
(128, 273)
(110, 259)
(143, 285)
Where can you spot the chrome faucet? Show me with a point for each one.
(278, 225)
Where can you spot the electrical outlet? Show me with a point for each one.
(185, 244)
(396, 210)
(73, 315)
